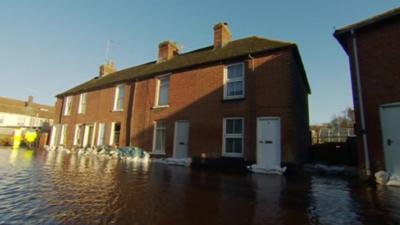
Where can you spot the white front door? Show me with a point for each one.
(181, 139)
(390, 122)
(268, 142)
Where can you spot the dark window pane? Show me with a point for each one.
(229, 148)
(238, 145)
(238, 126)
(229, 126)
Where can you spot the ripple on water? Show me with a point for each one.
(57, 188)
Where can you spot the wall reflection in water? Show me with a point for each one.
(62, 188)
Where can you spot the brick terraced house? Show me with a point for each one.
(245, 98)
(373, 47)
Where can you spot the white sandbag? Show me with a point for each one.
(381, 177)
(394, 180)
(174, 161)
(272, 170)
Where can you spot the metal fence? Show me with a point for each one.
(329, 135)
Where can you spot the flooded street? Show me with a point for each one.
(58, 188)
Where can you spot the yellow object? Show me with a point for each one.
(17, 138)
(30, 136)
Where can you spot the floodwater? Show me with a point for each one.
(40, 187)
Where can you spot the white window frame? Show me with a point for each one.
(76, 133)
(116, 97)
(158, 86)
(154, 150)
(234, 80)
(225, 135)
(68, 106)
(101, 134)
(112, 137)
(82, 107)
(63, 135)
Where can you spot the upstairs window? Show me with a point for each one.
(68, 106)
(82, 103)
(234, 81)
(163, 89)
(119, 97)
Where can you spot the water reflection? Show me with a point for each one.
(60, 188)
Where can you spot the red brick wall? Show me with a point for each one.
(99, 109)
(378, 52)
(272, 89)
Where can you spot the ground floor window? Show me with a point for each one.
(160, 131)
(63, 137)
(101, 137)
(233, 133)
(78, 137)
(115, 133)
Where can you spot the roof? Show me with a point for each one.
(8, 105)
(374, 20)
(234, 49)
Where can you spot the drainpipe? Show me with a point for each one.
(252, 62)
(360, 103)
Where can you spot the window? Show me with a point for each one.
(82, 103)
(119, 97)
(101, 135)
(68, 106)
(163, 89)
(233, 137)
(78, 134)
(234, 81)
(1, 119)
(115, 133)
(63, 137)
(160, 129)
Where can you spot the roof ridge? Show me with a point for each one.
(235, 48)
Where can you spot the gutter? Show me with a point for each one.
(360, 103)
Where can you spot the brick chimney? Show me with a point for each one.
(222, 35)
(107, 68)
(167, 50)
(30, 101)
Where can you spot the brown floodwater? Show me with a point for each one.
(40, 187)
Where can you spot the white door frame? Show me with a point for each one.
(54, 131)
(381, 108)
(280, 133)
(86, 135)
(175, 135)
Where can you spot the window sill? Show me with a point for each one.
(233, 155)
(156, 153)
(233, 99)
(117, 110)
(160, 106)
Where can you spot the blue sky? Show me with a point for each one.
(47, 47)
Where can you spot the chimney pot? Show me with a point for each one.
(222, 35)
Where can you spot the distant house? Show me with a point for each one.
(373, 47)
(23, 114)
(245, 98)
